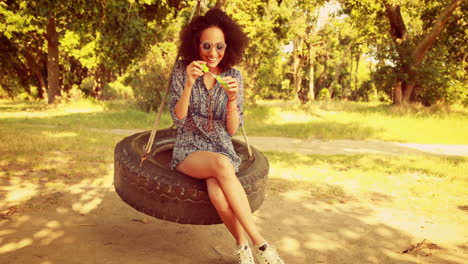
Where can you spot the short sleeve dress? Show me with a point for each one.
(192, 131)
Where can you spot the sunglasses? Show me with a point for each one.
(207, 46)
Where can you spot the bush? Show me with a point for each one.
(3, 94)
(269, 79)
(150, 77)
(87, 85)
(465, 102)
(437, 82)
(74, 94)
(117, 90)
(367, 92)
(337, 91)
(324, 95)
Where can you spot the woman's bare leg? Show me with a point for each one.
(204, 165)
(225, 212)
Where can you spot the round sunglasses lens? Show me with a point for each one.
(220, 46)
(206, 46)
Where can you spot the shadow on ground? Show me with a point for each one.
(88, 223)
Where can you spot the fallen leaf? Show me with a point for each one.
(9, 212)
(144, 220)
(421, 248)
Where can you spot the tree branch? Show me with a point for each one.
(220, 4)
(430, 38)
(397, 25)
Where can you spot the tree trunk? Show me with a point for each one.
(102, 76)
(42, 86)
(298, 59)
(338, 69)
(98, 81)
(35, 67)
(398, 92)
(403, 90)
(356, 69)
(320, 81)
(312, 74)
(409, 86)
(463, 66)
(397, 25)
(53, 85)
(306, 93)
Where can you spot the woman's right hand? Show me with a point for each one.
(194, 70)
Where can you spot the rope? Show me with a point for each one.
(149, 145)
(251, 157)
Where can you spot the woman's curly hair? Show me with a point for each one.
(235, 38)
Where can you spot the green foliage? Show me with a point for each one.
(324, 95)
(337, 89)
(436, 80)
(75, 94)
(72, 96)
(264, 68)
(437, 83)
(270, 82)
(150, 77)
(80, 47)
(103, 44)
(87, 86)
(465, 102)
(97, 40)
(116, 90)
(367, 92)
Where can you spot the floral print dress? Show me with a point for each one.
(192, 131)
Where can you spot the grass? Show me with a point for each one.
(318, 120)
(432, 183)
(45, 148)
(81, 114)
(47, 153)
(359, 121)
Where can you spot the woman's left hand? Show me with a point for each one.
(232, 89)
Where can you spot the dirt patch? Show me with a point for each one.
(88, 223)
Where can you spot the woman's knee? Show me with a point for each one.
(223, 166)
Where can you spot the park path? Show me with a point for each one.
(351, 147)
(334, 147)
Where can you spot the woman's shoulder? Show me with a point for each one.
(181, 64)
(179, 68)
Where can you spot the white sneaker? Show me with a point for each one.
(245, 255)
(266, 254)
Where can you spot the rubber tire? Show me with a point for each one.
(166, 194)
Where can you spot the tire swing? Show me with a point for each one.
(143, 179)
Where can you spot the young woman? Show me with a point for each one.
(207, 114)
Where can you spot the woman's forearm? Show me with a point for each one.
(232, 117)
(181, 107)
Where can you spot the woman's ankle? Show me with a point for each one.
(241, 243)
(261, 243)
